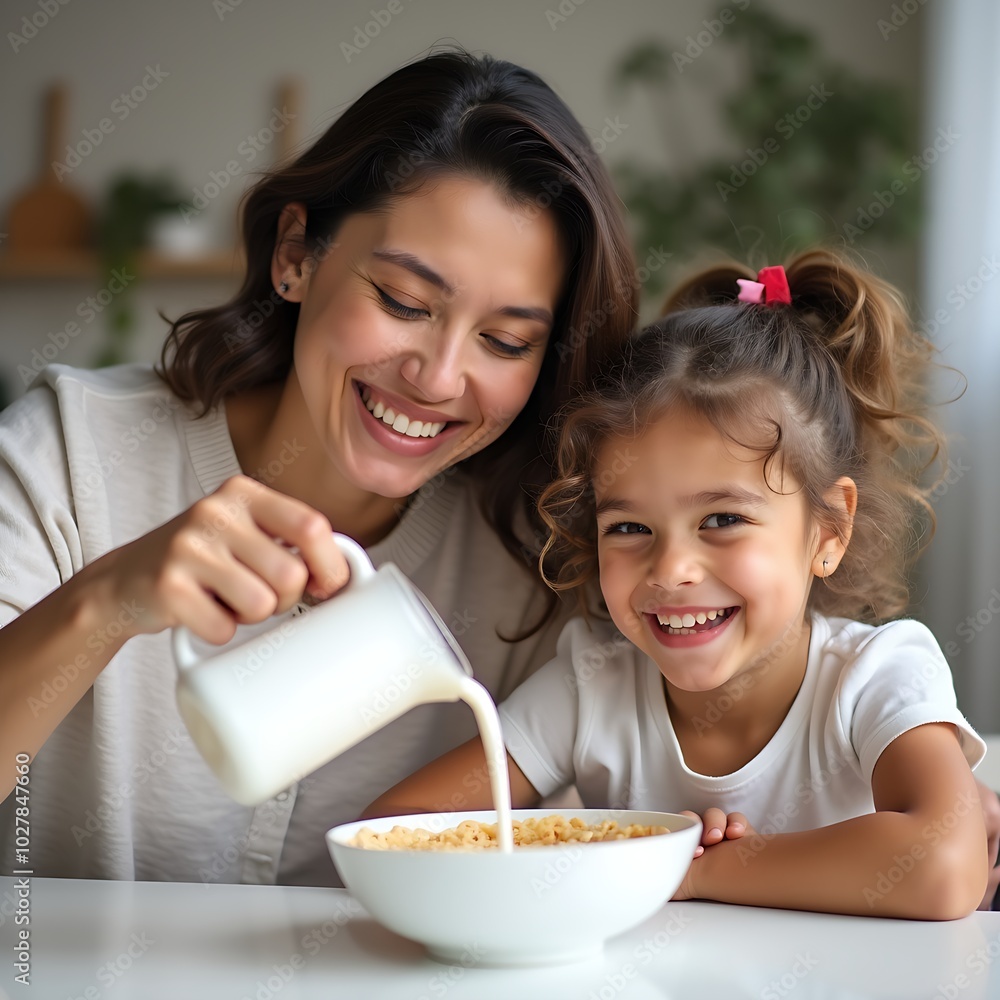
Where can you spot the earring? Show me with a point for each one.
(283, 287)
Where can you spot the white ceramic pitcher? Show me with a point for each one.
(266, 710)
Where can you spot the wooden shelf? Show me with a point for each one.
(67, 265)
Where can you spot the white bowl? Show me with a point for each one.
(537, 906)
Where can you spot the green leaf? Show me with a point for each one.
(811, 144)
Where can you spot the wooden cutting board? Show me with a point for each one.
(49, 215)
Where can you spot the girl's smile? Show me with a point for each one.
(682, 628)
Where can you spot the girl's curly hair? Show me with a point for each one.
(830, 386)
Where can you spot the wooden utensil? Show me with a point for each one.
(289, 94)
(50, 215)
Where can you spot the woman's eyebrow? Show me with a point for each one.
(536, 313)
(416, 266)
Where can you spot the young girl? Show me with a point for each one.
(741, 483)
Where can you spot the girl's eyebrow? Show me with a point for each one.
(707, 498)
(614, 503)
(730, 494)
(416, 266)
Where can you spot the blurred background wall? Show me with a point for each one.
(217, 66)
(750, 125)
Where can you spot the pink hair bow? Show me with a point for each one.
(770, 288)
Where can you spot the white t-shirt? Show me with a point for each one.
(597, 716)
(90, 460)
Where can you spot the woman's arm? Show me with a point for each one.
(50, 656)
(458, 781)
(922, 854)
(214, 566)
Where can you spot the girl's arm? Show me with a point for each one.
(457, 781)
(921, 855)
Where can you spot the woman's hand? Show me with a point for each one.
(717, 826)
(226, 560)
(240, 555)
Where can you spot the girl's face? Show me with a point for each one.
(703, 565)
(422, 330)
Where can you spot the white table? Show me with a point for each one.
(185, 941)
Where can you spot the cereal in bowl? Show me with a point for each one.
(471, 834)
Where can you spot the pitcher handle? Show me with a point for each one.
(361, 570)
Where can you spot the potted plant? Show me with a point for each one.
(132, 205)
(818, 154)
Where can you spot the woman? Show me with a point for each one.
(424, 287)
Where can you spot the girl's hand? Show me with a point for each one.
(991, 816)
(227, 560)
(717, 826)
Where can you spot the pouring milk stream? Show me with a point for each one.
(267, 710)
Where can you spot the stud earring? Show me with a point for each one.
(283, 287)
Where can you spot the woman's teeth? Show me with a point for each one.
(400, 422)
(685, 624)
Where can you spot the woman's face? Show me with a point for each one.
(422, 330)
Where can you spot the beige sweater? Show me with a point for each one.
(90, 460)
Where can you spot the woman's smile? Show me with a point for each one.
(402, 427)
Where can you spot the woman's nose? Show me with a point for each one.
(437, 369)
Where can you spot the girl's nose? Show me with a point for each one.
(674, 564)
(437, 370)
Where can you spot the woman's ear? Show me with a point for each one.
(831, 546)
(290, 263)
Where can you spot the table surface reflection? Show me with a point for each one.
(149, 940)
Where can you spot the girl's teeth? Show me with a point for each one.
(399, 422)
(684, 624)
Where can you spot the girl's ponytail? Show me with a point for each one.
(863, 323)
(713, 286)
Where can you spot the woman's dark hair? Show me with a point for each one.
(829, 386)
(448, 113)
